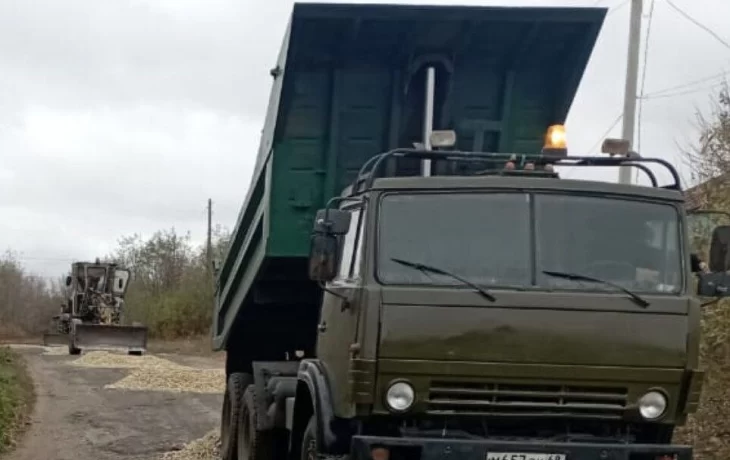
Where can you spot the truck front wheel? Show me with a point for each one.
(310, 449)
(232, 404)
(309, 440)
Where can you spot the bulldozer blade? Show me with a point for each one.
(54, 338)
(133, 338)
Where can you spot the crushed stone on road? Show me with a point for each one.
(55, 351)
(107, 359)
(175, 379)
(46, 350)
(151, 373)
(205, 448)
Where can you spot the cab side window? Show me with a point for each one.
(348, 246)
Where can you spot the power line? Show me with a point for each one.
(687, 84)
(605, 134)
(684, 93)
(698, 23)
(643, 76)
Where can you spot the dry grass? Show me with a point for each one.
(17, 397)
(709, 429)
(205, 448)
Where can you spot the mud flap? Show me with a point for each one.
(54, 338)
(133, 338)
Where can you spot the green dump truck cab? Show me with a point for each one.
(458, 298)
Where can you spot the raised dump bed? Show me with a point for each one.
(349, 83)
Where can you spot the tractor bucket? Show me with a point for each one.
(133, 338)
(54, 338)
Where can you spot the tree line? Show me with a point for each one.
(170, 291)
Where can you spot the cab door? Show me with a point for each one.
(337, 327)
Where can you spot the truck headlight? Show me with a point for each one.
(400, 396)
(652, 405)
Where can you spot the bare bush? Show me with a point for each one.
(171, 290)
(27, 302)
(709, 163)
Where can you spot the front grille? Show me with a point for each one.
(525, 400)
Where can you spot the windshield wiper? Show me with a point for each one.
(577, 277)
(439, 271)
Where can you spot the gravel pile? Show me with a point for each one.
(174, 379)
(113, 360)
(55, 351)
(151, 373)
(205, 448)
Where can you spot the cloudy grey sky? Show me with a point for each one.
(125, 116)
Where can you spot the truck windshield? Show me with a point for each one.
(509, 239)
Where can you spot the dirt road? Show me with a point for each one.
(75, 417)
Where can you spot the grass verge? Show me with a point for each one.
(16, 398)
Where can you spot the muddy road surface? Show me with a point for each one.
(76, 417)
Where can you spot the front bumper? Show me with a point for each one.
(458, 449)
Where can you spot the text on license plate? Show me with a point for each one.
(523, 456)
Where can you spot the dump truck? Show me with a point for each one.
(409, 276)
(92, 315)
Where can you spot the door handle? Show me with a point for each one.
(322, 327)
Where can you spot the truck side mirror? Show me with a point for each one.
(329, 224)
(332, 221)
(720, 249)
(714, 285)
(68, 281)
(323, 258)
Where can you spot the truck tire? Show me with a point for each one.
(232, 402)
(72, 350)
(252, 443)
(309, 449)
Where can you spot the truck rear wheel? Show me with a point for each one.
(253, 444)
(232, 403)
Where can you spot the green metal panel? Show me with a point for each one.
(350, 84)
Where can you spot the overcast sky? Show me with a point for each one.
(125, 116)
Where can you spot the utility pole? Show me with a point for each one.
(632, 78)
(209, 246)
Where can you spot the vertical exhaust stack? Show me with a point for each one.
(428, 116)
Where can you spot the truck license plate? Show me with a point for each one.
(523, 456)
